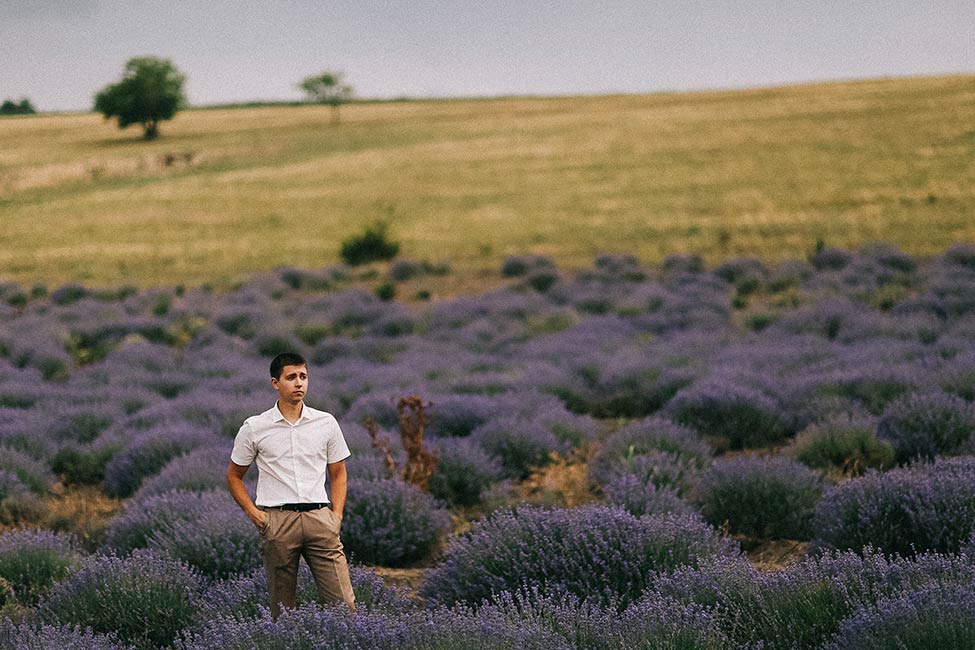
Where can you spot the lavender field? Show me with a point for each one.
(611, 442)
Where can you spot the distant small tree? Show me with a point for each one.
(9, 107)
(151, 90)
(327, 88)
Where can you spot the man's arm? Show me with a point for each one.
(235, 483)
(338, 481)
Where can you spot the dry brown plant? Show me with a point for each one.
(420, 463)
(562, 483)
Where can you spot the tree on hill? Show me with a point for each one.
(10, 107)
(327, 88)
(151, 90)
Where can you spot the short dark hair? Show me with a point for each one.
(286, 359)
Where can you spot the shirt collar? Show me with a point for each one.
(277, 416)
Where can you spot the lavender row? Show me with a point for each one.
(712, 599)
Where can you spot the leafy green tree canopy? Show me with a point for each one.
(9, 107)
(151, 90)
(329, 88)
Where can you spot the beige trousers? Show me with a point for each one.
(313, 535)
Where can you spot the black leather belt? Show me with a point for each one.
(298, 507)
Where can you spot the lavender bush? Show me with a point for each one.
(459, 415)
(314, 627)
(519, 445)
(135, 526)
(307, 627)
(31, 472)
(652, 622)
(923, 507)
(26, 636)
(149, 453)
(675, 452)
(215, 538)
(762, 497)
(639, 497)
(802, 606)
(146, 599)
(661, 623)
(463, 472)
(932, 617)
(743, 416)
(391, 523)
(928, 425)
(32, 560)
(597, 553)
(196, 471)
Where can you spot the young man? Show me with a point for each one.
(294, 447)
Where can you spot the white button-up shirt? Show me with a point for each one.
(291, 459)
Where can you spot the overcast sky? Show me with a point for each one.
(60, 52)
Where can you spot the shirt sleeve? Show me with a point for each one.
(336, 449)
(244, 451)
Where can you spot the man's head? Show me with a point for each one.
(289, 376)
(286, 359)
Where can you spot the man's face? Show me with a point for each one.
(292, 384)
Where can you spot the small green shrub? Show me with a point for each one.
(82, 467)
(386, 291)
(372, 245)
(843, 444)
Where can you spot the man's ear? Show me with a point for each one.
(274, 382)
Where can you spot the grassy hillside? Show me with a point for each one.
(223, 192)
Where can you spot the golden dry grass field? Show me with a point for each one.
(224, 192)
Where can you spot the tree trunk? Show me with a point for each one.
(335, 113)
(151, 129)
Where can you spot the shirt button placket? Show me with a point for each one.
(294, 462)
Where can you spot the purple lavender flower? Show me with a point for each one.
(459, 415)
(315, 627)
(864, 578)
